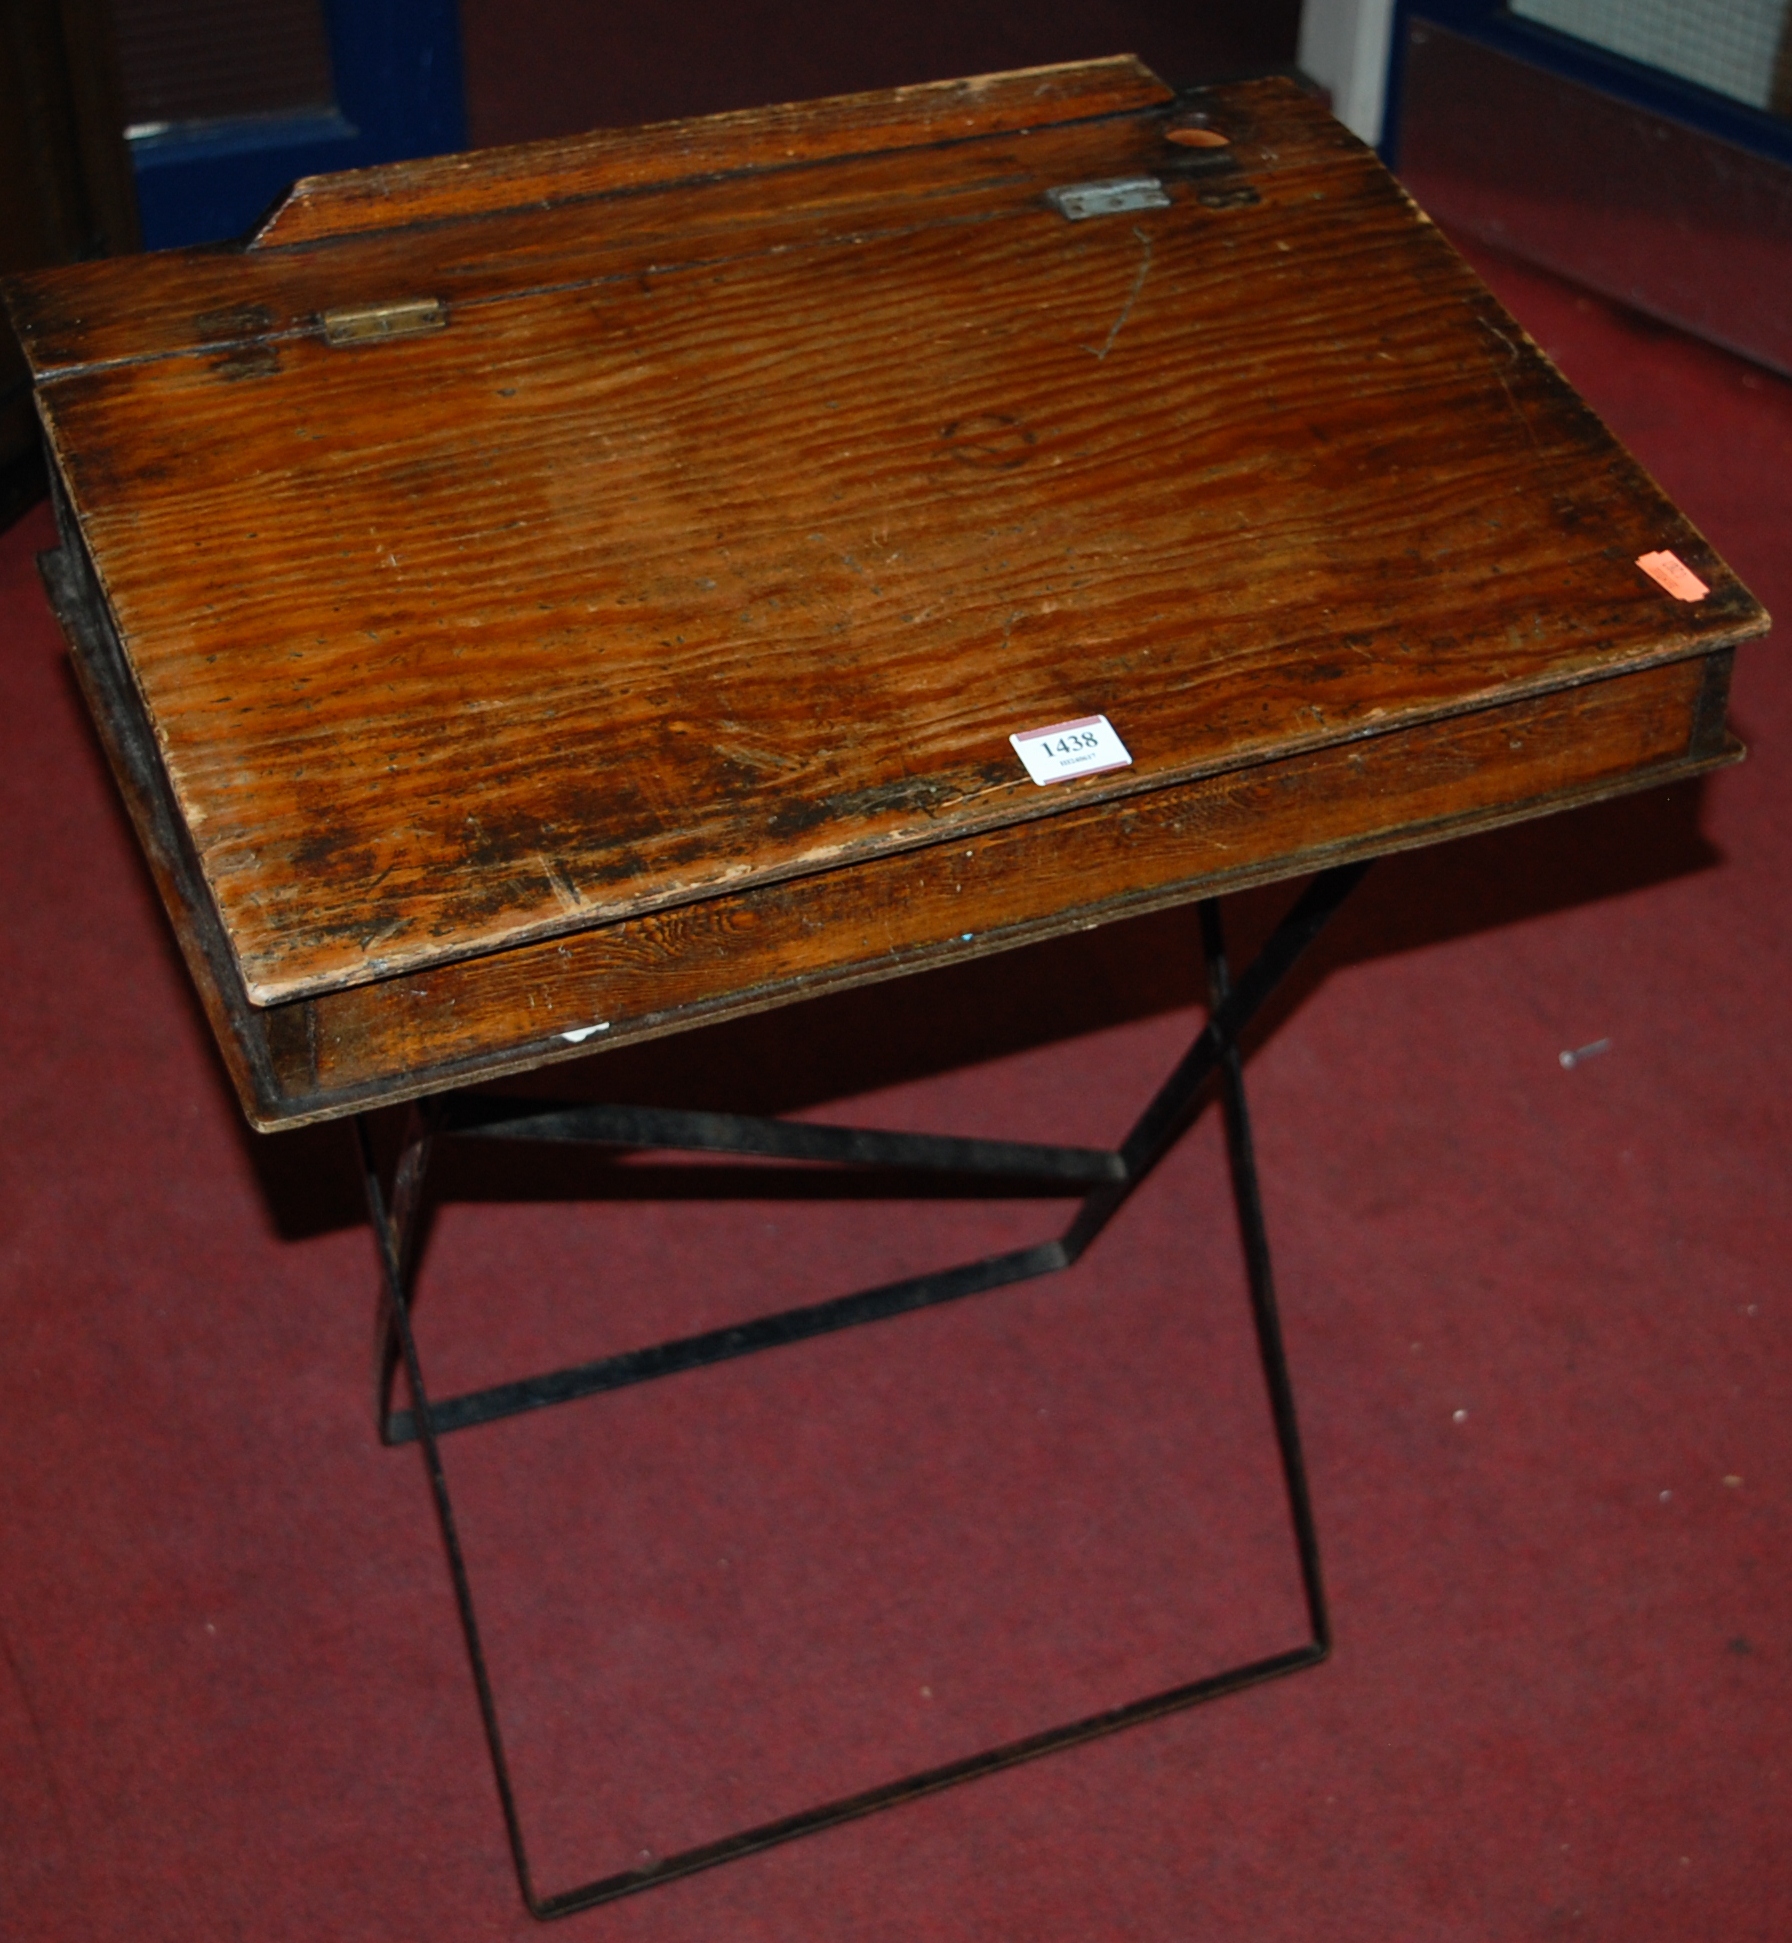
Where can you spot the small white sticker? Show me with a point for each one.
(580, 1034)
(1078, 748)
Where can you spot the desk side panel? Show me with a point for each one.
(911, 912)
(264, 1049)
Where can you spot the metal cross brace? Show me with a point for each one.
(1107, 1178)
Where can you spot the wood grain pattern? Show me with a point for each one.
(752, 139)
(313, 1059)
(905, 913)
(685, 587)
(202, 300)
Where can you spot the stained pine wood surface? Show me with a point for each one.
(752, 140)
(761, 478)
(724, 956)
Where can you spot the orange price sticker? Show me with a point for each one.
(1668, 570)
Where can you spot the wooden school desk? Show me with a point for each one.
(539, 600)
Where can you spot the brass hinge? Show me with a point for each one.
(364, 323)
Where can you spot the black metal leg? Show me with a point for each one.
(405, 1218)
(1107, 1180)
(1242, 1160)
(392, 1233)
(1168, 1116)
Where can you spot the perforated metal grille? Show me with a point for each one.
(1739, 48)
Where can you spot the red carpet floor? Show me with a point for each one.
(1537, 1315)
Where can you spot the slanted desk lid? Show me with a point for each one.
(507, 545)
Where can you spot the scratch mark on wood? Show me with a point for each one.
(1132, 297)
(564, 889)
(1518, 410)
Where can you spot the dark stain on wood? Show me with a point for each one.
(250, 361)
(232, 322)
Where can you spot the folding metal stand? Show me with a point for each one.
(1106, 1179)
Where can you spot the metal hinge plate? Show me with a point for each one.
(1081, 200)
(366, 323)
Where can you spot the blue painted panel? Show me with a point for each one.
(1488, 22)
(398, 93)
